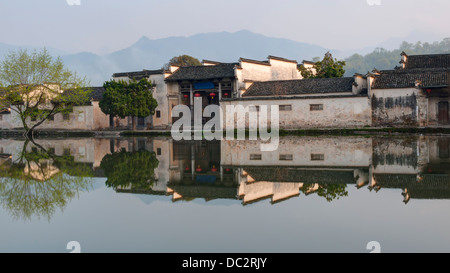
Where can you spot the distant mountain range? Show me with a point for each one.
(153, 54)
(220, 46)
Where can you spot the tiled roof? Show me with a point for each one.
(428, 181)
(308, 176)
(205, 191)
(210, 62)
(97, 93)
(298, 87)
(254, 61)
(409, 78)
(138, 75)
(428, 61)
(281, 59)
(199, 73)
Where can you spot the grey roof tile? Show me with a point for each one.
(199, 73)
(428, 61)
(299, 87)
(138, 75)
(409, 78)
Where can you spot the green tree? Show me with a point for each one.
(133, 98)
(38, 86)
(124, 169)
(328, 67)
(183, 60)
(383, 59)
(328, 191)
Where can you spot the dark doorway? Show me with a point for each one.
(444, 152)
(141, 122)
(443, 112)
(111, 121)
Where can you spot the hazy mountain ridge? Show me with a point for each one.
(219, 46)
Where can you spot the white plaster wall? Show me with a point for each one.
(160, 94)
(337, 112)
(82, 118)
(256, 72)
(392, 93)
(337, 152)
(282, 70)
(398, 115)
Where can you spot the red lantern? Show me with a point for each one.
(197, 95)
(186, 96)
(226, 95)
(428, 91)
(227, 170)
(199, 169)
(187, 169)
(212, 95)
(214, 169)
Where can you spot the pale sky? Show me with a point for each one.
(104, 26)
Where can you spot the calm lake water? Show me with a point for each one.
(314, 194)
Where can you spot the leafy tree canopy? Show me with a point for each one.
(328, 67)
(329, 192)
(124, 169)
(383, 59)
(183, 60)
(39, 182)
(38, 86)
(133, 98)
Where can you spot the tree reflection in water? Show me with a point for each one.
(130, 170)
(39, 182)
(330, 192)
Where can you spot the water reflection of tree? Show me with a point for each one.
(130, 169)
(40, 182)
(330, 192)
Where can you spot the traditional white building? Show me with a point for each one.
(415, 94)
(211, 82)
(88, 117)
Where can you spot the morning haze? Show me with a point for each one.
(101, 26)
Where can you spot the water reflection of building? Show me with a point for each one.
(238, 170)
(418, 166)
(312, 161)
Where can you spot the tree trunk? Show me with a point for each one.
(133, 123)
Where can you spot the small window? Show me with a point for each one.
(158, 114)
(141, 121)
(255, 157)
(141, 144)
(317, 157)
(285, 108)
(158, 151)
(66, 116)
(286, 157)
(1, 117)
(316, 107)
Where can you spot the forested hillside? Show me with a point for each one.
(382, 59)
